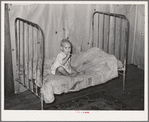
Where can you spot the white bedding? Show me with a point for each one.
(99, 68)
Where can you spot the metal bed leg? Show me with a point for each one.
(41, 100)
(124, 78)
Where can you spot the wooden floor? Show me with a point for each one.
(132, 96)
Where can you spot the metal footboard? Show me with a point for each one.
(29, 40)
(110, 32)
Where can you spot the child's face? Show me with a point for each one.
(66, 48)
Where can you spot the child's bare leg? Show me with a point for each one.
(61, 71)
(73, 72)
(77, 73)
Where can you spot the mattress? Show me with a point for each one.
(98, 67)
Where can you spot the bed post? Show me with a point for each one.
(125, 51)
(41, 100)
(124, 77)
(92, 42)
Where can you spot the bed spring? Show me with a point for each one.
(29, 41)
(110, 32)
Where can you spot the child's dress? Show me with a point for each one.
(58, 62)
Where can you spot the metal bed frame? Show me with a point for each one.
(32, 36)
(122, 71)
(38, 39)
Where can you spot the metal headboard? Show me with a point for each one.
(28, 38)
(108, 17)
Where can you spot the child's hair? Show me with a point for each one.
(65, 40)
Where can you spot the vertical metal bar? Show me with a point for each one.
(32, 58)
(108, 35)
(37, 61)
(125, 50)
(43, 55)
(114, 34)
(27, 46)
(25, 52)
(23, 56)
(19, 53)
(103, 32)
(92, 43)
(28, 62)
(98, 31)
(33, 55)
(120, 39)
(16, 43)
(41, 99)
(134, 35)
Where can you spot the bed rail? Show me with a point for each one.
(110, 32)
(29, 41)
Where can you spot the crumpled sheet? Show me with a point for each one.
(99, 68)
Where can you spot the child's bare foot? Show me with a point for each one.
(82, 73)
(74, 74)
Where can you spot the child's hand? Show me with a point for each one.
(68, 55)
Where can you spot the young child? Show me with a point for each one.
(62, 64)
